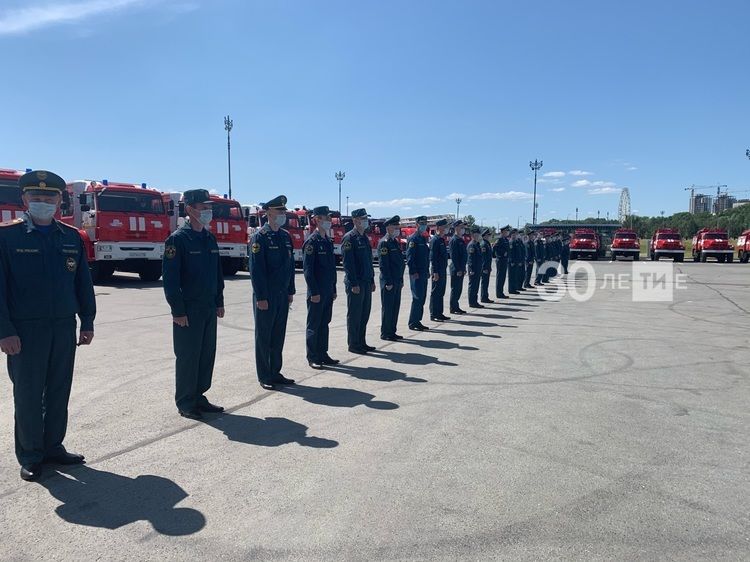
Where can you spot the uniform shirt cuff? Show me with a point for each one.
(87, 324)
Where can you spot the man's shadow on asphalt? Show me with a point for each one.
(373, 373)
(491, 316)
(96, 498)
(439, 344)
(268, 432)
(469, 333)
(411, 358)
(337, 397)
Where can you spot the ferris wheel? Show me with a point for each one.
(624, 209)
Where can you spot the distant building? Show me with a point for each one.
(700, 203)
(740, 202)
(724, 202)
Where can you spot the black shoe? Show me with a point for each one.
(398, 336)
(31, 472)
(488, 301)
(210, 408)
(444, 317)
(357, 350)
(283, 380)
(425, 328)
(389, 338)
(315, 364)
(330, 361)
(369, 348)
(460, 311)
(514, 292)
(477, 305)
(436, 318)
(416, 328)
(191, 414)
(521, 289)
(502, 297)
(268, 385)
(65, 458)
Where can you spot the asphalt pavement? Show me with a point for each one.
(532, 429)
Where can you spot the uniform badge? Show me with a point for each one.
(471, 250)
(309, 249)
(412, 244)
(41, 175)
(347, 245)
(256, 248)
(383, 251)
(71, 264)
(170, 252)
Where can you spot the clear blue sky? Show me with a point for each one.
(414, 100)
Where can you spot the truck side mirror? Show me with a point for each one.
(170, 212)
(182, 210)
(246, 212)
(171, 205)
(85, 208)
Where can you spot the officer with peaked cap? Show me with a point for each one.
(501, 253)
(458, 255)
(565, 252)
(391, 263)
(44, 283)
(515, 263)
(486, 266)
(475, 265)
(439, 264)
(529, 261)
(540, 252)
(194, 288)
(359, 281)
(418, 260)
(272, 273)
(319, 265)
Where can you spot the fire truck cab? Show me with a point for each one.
(743, 246)
(585, 242)
(666, 242)
(712, 243)
(127, 225)
(11, 206)
(626, 244)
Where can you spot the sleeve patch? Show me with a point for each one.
(256, 248)
(471, 250)
(309, 249)
(347, 245)
(170, 252)
(383, 251)
(412, 244)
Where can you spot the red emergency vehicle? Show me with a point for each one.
(585, 242)
(743, 246)
(125, 223)
(626, 244)
(11, 206)
(712, 243)
(666, 242)
(375, 233)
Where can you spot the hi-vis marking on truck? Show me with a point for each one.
(138, 224)
(8, 215)
(222, 227)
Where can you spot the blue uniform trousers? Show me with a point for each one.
(358, 314)
(437, 296)
(270, 332)
(418, 297)
(390, 304)
(318, 318)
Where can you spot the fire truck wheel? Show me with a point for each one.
(743, 257)
(730, 258)
(101, 272)
(229, 269)
(679, 258)
(636, 257)
(151, 272)
(595, 257)
(703, 257)
(696, 257)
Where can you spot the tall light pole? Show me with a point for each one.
(458, 206)
(576, 214)
(228, 124)
(340, 177)
(347, 206)
(536, 165)
(747, 153)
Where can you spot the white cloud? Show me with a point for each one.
(580, 173)
(455, 195)
(631, 168)
(400, 203)
(604, 190)
(581, 183)
(550, 180)
(598, 183)
(502, 196)
(554, 175)
(558, 189)
(32, 17)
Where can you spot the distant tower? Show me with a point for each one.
(624, 210)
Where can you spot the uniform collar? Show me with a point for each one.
(192, 234)
(30, 226)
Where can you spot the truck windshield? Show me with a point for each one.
(668, 236)
(10, 194)
(625, 236)
(129, 202)
(715, 236)
(227, 211)
(584, 236)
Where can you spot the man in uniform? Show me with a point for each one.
(272, 273)
(359, 281)
(565, 253)
(517, 257)
(530, 257)
(501, 253)
(458, 255)
(439, 263)
(44, 283)
(418, 260)
(194, 288)
(391, 262)
(487, 266)
(319, 265)
(475, 266)
(540, 253)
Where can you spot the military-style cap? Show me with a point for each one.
(278, 203)
(393, 221)
(474, 229)
(359, 213)
(441, 222)
(485, 232)
(514, 231)
(194, 196)
(321, 211)
(42, 181)
(458, 223)
(421, 218)
(506, 227)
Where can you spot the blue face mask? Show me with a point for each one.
(422, 228)
(365, 224)
(206, 217)
(42, 211)
(280, 220)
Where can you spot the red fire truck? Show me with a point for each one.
(626, 244)
(712, 243)
(126, 224)
(11, 206)
(743, 246)
(666, 242)
(585, 242)
(375, 233)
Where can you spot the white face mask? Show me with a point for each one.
(459, 232)
(397, 233)
(325, 225)
(205, 217)
(42, 211)
(422, 228)
(365, 223)
(280, 220)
